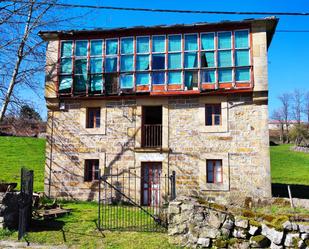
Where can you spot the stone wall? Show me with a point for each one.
(193, 224)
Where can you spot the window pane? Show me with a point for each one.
(191, 79)
(210, 173)
(174, 43)
(224, 40)
(66, 65)
(158, 61)
(111, 64)
(224, 58)
(142, 44)
(207, 59)
(241, 39)
(243, 74)
(96, 83)
(126, 63)
(218, 170)
(158, 44)
(65, 83)
(142, 79)
(97, 119)
(81, 48)
(66, 49)
(96, 47)
(207, 41)
(80, 66)
(174, 78)
(190, 42)
(242, 58)
(217, 119)
(126, 81)
(225, 75)
(80, 82)
(208, 115)
(158, 78)
(174, 61)
(190, 60)
(96, 65)
(111, 46)
(127, 45)
(142, 62)
(111, 83)
(208, 76)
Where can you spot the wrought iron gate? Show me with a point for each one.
(25, 202)
(135, 200)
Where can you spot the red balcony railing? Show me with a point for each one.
(152, 135)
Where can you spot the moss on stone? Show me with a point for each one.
(307, 242)
(255, 223)
(248, 213)
(232, 241)
(277, 222)
(220, 243)
(267, 217)
(258, 238)
(217, 206)
(295, 242)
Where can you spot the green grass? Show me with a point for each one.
(16, 152)
(289, 167)
(79, 230)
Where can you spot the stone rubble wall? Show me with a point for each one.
(9, 210)
(196, 225)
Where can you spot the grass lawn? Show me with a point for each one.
(289, 167)
(16, 152)
(79, 230)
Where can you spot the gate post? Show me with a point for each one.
(99, 201)
(173, 185)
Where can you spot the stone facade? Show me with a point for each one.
(241, 141)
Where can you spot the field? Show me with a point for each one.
(289, 167)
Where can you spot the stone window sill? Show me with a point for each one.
(159, 150)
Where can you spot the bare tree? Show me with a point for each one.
(285, 100)
(297, 101)
(278, 116)
(305, 109)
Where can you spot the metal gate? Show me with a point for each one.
(134, 200)
(25, 202)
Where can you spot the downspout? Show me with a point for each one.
(51, 153)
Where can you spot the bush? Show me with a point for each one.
(299, 134)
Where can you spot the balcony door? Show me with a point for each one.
(152, 126)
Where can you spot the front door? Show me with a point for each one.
(151, 175)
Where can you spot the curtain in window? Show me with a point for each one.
(158, 44)
(158, 78)
(224, 58)
(142, 44)
(81, 48)
(243, 74)
(142, 79)
(207, 41)
(111, 64)
(174, 43)
(191, 79)
(190, 60)
(111, 46)
(207, 59)
(96, 83)
(126, 63)
(224, 40)
(80, 82)
(225, 75)
(96, 65)
(65, 83)
(158, 61)
(208, 76)
(174, 61)
(218, 170)
(96, 47)
(80, 66)
(66, 49)
(66, 65)
(142, 62)
(174, 78)
(126, 81)
(242, 58)
(190, 42)
(127, 46)
(241, 39)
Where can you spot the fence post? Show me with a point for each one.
(173, 185)
(99, 201)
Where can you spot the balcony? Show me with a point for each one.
(152, 136)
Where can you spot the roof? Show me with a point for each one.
(269, 22)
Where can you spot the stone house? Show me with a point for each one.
(186, 98)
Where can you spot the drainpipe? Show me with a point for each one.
(51, 153)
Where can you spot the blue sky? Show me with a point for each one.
(288, 54)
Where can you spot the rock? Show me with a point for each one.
(301, 244)
(199, 217)
(172, 231)
(215, 219)
(272, 234)
(259, 241)
(182, 228)
(209, 232)
(203, 242)
(185, 207)
(291, 239)
(241, 222)
(173, 209)
(240, 233)
(253, 230)
(1, 219)
(289, 226)
(303, 228)
(274, 246)
(225, 232)
(228, 224)
(304, 236)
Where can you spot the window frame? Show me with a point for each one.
(181, 51)
(60, 74)
(103, 66)
(213, 114)
(214, 170)
(95, 110)
(92, 164)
